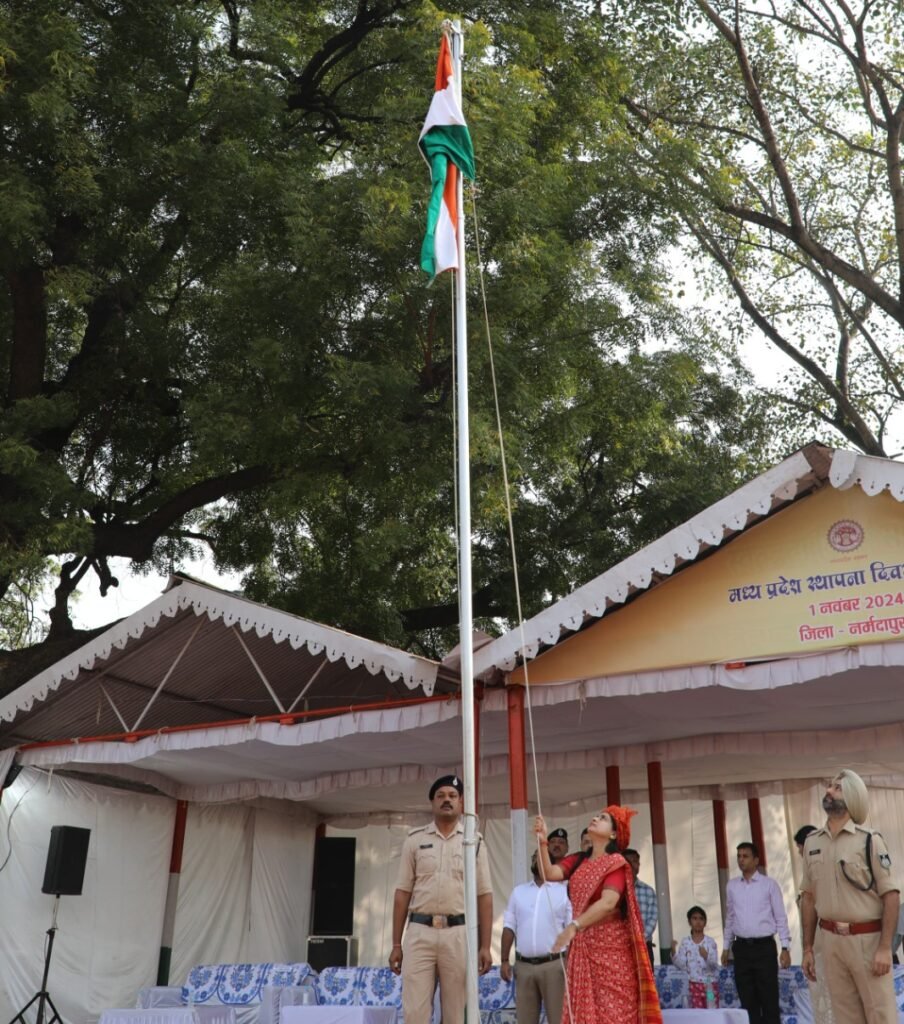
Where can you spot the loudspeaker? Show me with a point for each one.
(66, 857)
(332, 951)
(334, 886)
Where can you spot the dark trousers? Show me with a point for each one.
(756, 978)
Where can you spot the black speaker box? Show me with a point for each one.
(334, 886)
(332, 951)
(66, 858)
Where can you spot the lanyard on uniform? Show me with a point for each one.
(869, 867)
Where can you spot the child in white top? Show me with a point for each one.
(698, 955)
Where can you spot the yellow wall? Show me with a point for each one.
(741, 602)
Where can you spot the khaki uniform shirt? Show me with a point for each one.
(836, 898)
(432, 870)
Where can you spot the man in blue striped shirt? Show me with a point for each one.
(646, 901)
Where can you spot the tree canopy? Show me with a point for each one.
(213, 329)
(776, 130)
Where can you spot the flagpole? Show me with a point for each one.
(464, 598)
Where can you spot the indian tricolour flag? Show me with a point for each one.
(446, 145)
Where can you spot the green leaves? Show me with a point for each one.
(213, 328)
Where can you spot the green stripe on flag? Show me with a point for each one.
(439, 165)
(454, 140)
(440, 145)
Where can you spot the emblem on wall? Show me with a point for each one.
(845, 535)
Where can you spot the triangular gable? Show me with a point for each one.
(825, 572)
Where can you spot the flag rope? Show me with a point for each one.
(515, 574)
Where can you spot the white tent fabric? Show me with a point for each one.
(104, 948)
(245, 885)
(244, 893)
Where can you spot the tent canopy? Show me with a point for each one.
(198, 655)
(719, 727)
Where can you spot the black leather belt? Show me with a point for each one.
(437, 920)
(539, 959)
(758, 938)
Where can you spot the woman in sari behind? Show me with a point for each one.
(610, 980)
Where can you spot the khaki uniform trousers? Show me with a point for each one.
(858, 997)
(536, 984)
(428, 953)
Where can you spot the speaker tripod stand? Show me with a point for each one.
(42, 997)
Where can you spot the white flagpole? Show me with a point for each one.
(464, 597)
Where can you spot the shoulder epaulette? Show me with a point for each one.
(414, 831)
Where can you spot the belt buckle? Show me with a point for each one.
(439, 920)
(842, 928)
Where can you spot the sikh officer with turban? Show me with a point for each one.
(429, 908)
(849, 889)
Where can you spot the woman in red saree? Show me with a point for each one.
(610, 980)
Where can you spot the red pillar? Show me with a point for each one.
(756, 829)
(722, 863)
(517, 782)
(660, 859)
(172, 894)
(613, 784)
(517, 749)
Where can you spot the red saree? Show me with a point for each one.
(610, 980)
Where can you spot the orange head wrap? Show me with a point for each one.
(621, 818)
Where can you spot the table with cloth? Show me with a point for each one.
(256, 991)
(170, 1015)
(338, 1014)
(704, 1017)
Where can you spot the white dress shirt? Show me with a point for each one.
(756, 910)
(536, 914)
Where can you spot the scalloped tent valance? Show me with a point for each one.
(800, 474)
(199, 655)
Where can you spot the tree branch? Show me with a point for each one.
(850, 422)
(136, 540)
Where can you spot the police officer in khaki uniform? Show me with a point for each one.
(848, 887)
(430, 895)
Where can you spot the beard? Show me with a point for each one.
(831, 806)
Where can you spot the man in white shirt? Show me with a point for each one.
(537, 912)
(756, 911)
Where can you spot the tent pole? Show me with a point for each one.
(517, 783)
(172, 894)
(613, 785)
(660, 860)
(721, 853)
(756, 830)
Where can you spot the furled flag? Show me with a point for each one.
(446, 146)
